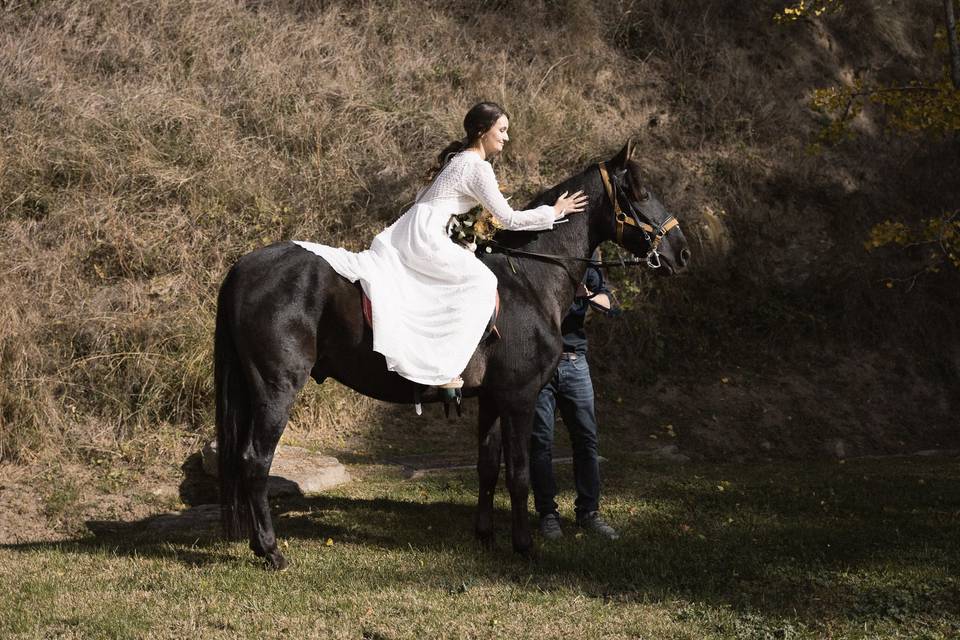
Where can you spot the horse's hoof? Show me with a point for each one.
(275, 561)
(486, 540)
(530, 554)
(523, 546)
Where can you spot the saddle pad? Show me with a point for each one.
(367, 309)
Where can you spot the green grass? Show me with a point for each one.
(866, 549)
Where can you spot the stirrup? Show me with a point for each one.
(451, 392)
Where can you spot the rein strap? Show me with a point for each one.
(493, 245)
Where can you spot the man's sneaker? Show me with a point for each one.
(550, 526)
(593, 523)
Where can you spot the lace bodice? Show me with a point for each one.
(468, 180)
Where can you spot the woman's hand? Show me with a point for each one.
(566, 205)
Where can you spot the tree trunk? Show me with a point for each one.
(952, 40)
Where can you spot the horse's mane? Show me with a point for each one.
(519, 239)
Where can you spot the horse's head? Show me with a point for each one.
(635, 219)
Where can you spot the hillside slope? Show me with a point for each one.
(145, 146)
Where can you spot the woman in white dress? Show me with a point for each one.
(432, 298)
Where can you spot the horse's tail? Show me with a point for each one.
(233, 423)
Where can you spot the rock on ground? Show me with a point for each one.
(295, 470)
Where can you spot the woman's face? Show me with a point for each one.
(495, 137)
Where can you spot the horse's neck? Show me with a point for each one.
(570, 238)
(555, 283)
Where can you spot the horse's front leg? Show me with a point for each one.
(516, 428)
(488, 468)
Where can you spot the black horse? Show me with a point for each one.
(284, 314)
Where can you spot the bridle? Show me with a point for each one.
(653, 235)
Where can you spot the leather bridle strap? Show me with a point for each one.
(623, 218)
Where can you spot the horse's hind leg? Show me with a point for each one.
(271, 409)
(488, 468)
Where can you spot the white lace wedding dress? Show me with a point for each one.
(432, 298)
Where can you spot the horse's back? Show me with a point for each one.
(281, 299)
(275, 299)
(280, 268)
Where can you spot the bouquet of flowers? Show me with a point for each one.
(475, 226)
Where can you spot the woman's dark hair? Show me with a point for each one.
(478, 120)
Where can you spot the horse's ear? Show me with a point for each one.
(620, 160)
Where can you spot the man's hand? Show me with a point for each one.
(601, 300)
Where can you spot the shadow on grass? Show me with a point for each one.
(197, 487)
(866, 541)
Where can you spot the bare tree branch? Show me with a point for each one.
(952, 41)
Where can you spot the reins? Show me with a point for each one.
(492, 245)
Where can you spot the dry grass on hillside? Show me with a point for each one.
(146, 145)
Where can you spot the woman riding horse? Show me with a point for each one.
(431, 298)
(284, 315)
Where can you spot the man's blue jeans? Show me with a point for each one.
(571, 390)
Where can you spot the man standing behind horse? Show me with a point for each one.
(571, 389)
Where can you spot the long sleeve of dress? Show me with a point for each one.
(481, 184)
